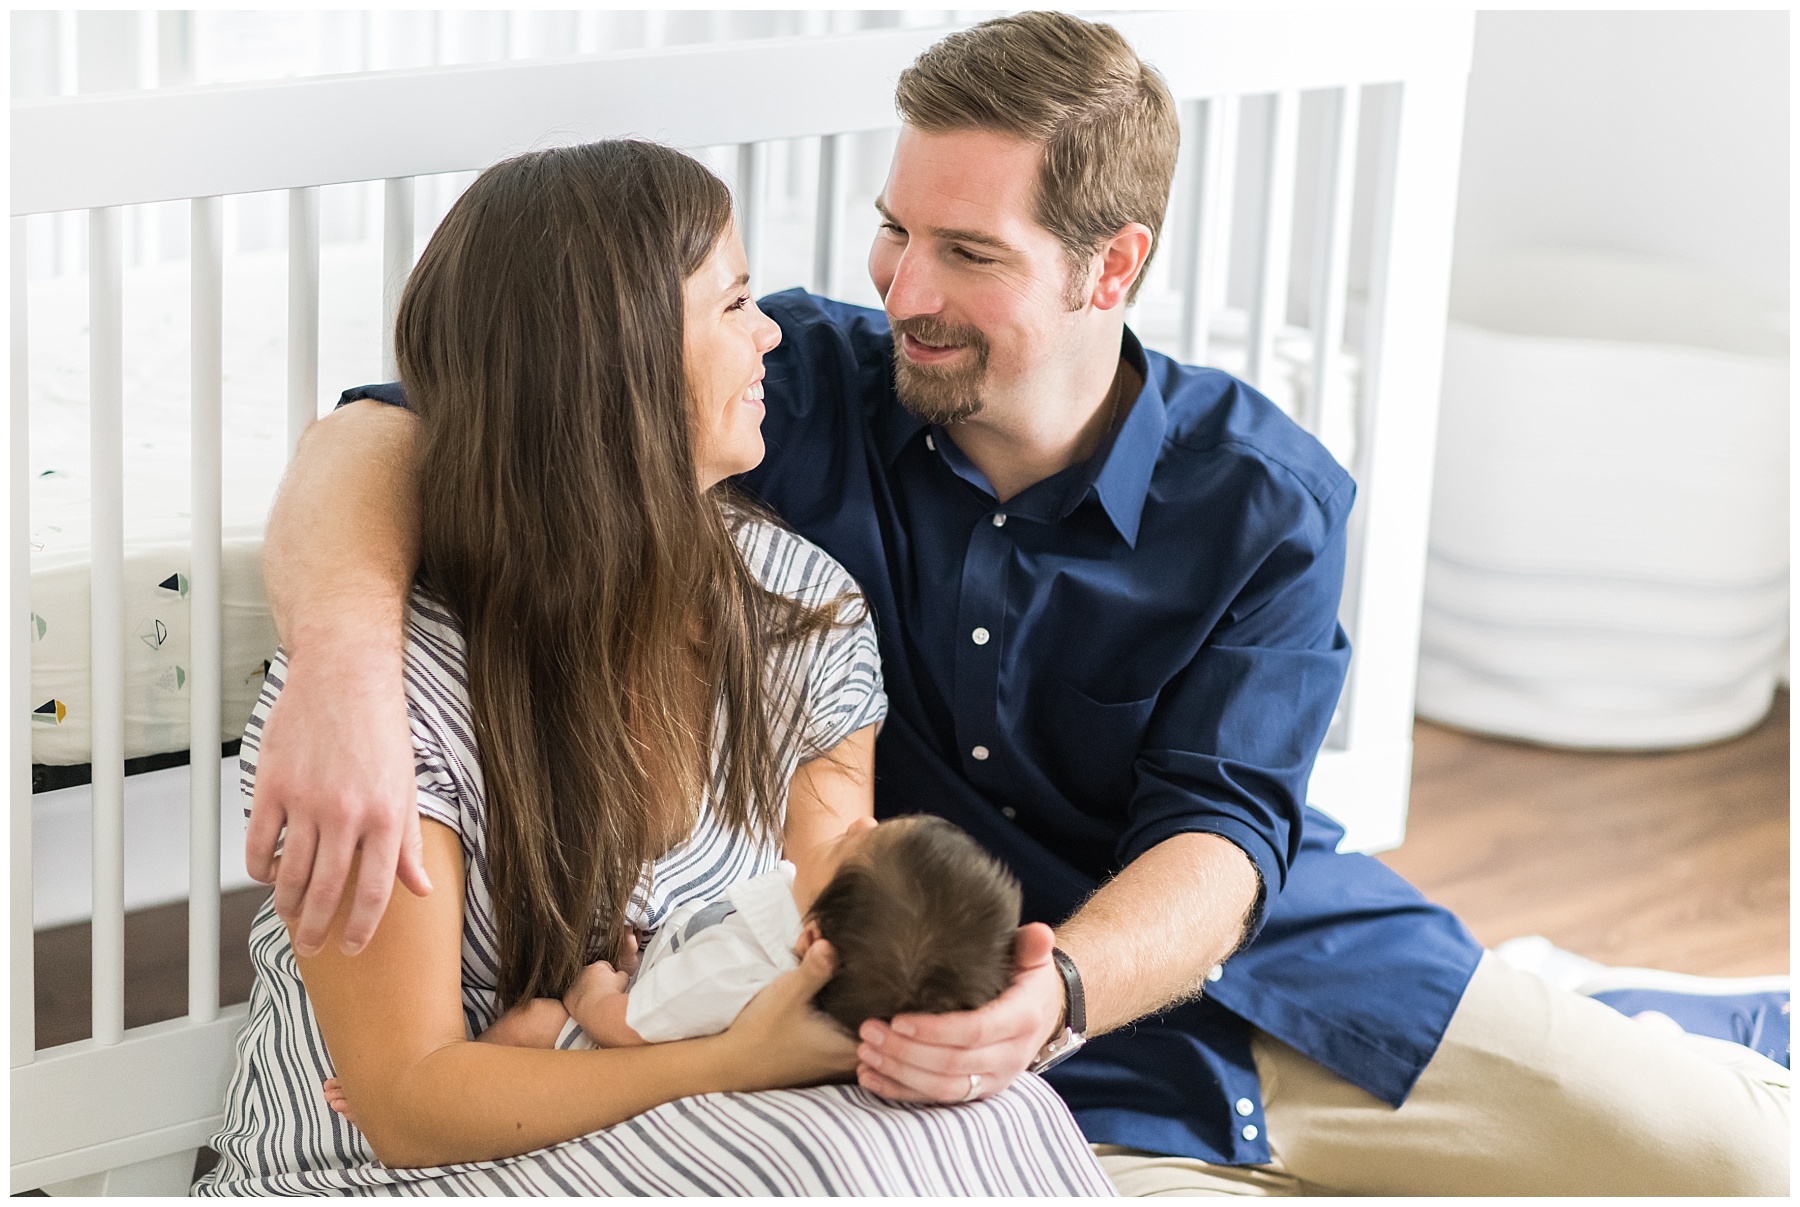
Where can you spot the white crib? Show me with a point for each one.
(1308, 250)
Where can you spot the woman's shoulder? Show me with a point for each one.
(436, 665)
(787, 563)
(437, 674)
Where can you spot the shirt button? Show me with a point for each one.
(1217, 973)
(1008, 812)
(979, 753)
(980, 636)
(1250, 1132)
(1244, 1106)
(1000, 520)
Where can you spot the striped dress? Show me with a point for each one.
(279, 1137)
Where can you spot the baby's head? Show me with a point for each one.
(921, 920)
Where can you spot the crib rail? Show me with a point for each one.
(175, 143)
(1384, 164)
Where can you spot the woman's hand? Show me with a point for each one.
(781, 1040)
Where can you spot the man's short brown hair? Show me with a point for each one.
(1105, 119)
(923, 922)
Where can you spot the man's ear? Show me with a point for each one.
(809, 934)
(1120, 261)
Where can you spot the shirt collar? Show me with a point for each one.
(1118, 472)
(1121, 466)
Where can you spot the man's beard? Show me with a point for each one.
(940, 394)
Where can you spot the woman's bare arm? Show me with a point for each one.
(828, 793)
(424, 1094)
(335, 769)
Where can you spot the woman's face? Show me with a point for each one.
(725, 338)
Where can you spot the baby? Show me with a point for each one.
(919, 917)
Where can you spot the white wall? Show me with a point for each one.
(1663, 133)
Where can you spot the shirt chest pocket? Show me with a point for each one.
(1089, 747)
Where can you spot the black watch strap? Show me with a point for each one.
(1074, 1003)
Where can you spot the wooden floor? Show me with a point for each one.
(1676, 860)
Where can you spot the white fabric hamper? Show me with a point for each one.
(1608, 558)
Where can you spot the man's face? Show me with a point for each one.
(977, 291)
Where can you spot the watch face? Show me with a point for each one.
(1057, 1051)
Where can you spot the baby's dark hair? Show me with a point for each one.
(922, 923)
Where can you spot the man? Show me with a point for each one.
(1106, 587)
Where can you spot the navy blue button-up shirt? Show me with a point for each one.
(1143, 645)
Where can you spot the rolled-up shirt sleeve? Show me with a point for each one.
(1232, 739)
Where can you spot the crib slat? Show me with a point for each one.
(749, 200)
(1269, 309)
(303, 312)
(1388, 101)
(205, 608)
(1216, 167)
(19, 694)
(106, 386)
(396, 262)
(1177, 249)
(1331, 268)
(825, 224)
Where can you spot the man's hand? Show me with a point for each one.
(335, 770)
(929, 1057)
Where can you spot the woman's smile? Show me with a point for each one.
(725, 337)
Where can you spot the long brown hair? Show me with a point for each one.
(608, 615)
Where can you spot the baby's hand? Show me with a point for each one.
(597, 1001)
(629, 952)
(592, 983)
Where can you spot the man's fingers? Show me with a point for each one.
(374, 884)
(331, 866)
(887, 1087)
(964, 1029)
(262, 836)
(294, 871)
(898, 1058)
(910, 1085)
(411, 869)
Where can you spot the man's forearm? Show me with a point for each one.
(342, 540)
(1148, 937)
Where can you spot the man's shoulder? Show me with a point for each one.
(389, 392)
(824, 340)
(1218, 422)
(802, 311)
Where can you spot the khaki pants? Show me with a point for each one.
(1534, 1091)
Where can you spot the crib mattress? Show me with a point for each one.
(157, 662)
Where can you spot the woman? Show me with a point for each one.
(625, 695)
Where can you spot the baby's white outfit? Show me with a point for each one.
(708, 960)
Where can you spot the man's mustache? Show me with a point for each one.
(938, 333)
